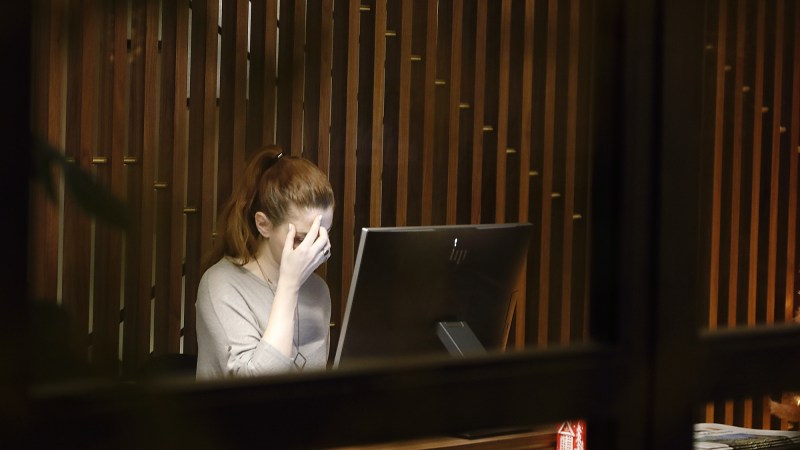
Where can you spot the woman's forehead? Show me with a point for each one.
(302, 218)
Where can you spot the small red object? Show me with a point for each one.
(571, 435)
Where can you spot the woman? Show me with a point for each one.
(260, 307)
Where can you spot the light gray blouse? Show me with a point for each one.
(233, 307)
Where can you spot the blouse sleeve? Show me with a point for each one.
(233, 334)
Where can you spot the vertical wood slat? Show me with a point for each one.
(404, 125)
(794, 148)
(298, 76)
(337, 135)
(391, 118)
(176, 328)
(569, 188)
(286, 78)
(107, 276)
(141, 173)
(133, 240)
(755, 195)
(429, 130)
(81, 82)
(232, 101)
(364, 144)
(200, 153)
(165, 184)
(777, 117)
(526, 144)
(478, 112)
(502, 112)
(376, 179)
(351, 142)
(48, 107)
(261, 104)
(755, 206)
(147, 178)
(325, 87)
(171, 172)
(736, 178)
(454, 111)
(263, 70)
(717, 176)
(441, 114)
(315, 81)
(325, 68)
(526, 137)
(775, 163)
(547, 169)
(736, 181)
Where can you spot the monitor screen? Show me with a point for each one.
(425, 290)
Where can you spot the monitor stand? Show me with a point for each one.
(459, 339)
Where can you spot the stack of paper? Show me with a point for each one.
(709, 436)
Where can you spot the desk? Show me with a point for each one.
(543, 437)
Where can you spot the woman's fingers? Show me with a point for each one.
(323, 237)
(288, 245)
(311, 236)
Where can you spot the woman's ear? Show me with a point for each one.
(263, 224)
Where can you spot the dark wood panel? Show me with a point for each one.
(502, 112)
(48, 109)
(736, 176)
(429, 113)
(286, 76)
(378, 93)
(547, 172)
(232, 93)
(478, 112)
(569, 179)
(147, 178)
(298, 75)
(326, 84)
(351, 141)
(717, 171)
(82, 78)
(391, 113)
(755, 194)
(200, 154)
(171, 184)
(525, 149)
(404, 113)
(794, 148)
(454, 111)
(177, 323)
(107, 277)
(314, 76)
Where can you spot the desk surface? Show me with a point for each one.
(542, 437)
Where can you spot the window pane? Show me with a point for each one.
(749, 219)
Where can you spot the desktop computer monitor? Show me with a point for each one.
(431, 289)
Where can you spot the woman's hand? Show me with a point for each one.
(298, 263)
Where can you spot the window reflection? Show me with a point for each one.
(750, 148)
(455, 113)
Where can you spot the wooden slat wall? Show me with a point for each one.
(753, 103)
(421, 112)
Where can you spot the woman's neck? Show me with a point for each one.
(264, 265)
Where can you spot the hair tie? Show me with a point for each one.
(268, 163)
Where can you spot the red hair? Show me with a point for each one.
(272, 183)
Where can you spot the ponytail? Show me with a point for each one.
(272, 183)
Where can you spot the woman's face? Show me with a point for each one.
(302, 219)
